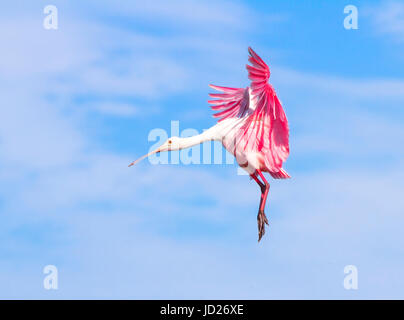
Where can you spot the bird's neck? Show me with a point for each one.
(197, 139)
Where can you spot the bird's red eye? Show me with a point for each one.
(169, 141)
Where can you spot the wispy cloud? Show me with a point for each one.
(364, 89)
(388, 19)
(182, 12)
(327, 227)
(116, 109)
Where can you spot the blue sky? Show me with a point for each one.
(78, 103)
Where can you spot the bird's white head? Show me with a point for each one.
(171, 144)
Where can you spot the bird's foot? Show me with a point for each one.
(262, 220)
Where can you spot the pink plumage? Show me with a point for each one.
(264, 130)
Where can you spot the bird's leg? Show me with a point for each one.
(261, 218)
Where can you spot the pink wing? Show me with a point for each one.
(233, 102)
(266, 130)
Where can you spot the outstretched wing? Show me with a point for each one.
(232, 102)
(266, 129)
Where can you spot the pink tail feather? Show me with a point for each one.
(281, 174)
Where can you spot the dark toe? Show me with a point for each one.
(261, 220)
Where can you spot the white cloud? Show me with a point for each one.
(35, 133)
(350, 88)
(388, 19)
(353, 134)
(211, 14)
(318, 224)
(116, 109)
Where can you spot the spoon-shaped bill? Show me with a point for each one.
(143, 157)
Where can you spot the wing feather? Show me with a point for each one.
(267, 125)
(266, 129)
(233, 102)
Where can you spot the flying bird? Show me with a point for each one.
(252, 125)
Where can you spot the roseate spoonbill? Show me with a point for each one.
(252, 126)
